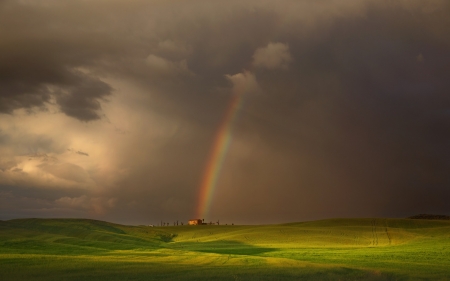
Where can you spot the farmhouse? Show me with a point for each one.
(195, 222)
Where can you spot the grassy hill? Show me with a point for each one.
(336, 249)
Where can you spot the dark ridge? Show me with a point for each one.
(430, 217)
(52, 225)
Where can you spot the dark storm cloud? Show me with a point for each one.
(83, 100)
(28, 83)
(364, 112)
(350, 116)
(39, 60)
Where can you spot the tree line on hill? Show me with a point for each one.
(430, 217)
(176, 223)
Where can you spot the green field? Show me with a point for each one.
(336, 249)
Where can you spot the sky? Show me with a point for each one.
(247, 112)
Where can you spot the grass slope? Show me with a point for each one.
(337, 249)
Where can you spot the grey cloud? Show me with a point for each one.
(6, 165)
(4, 138)
(28, 83)
(67, 171)
(82, 101)
(33, 145)
(97, 205)
(25, 202)
(273, 56)
(79, 152)
(39, 64)
(243, 83)
(37, 143)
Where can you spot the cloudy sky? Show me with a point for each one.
(110, 109)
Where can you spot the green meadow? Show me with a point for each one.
(335, 249)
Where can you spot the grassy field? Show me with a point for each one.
(337, 249)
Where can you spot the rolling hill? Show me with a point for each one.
(335, 249)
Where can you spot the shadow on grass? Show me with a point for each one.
(51, 268)
(228, 247)
(167, 237)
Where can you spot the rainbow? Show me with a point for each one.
(217, 155)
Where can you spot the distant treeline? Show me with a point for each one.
(430, 217)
